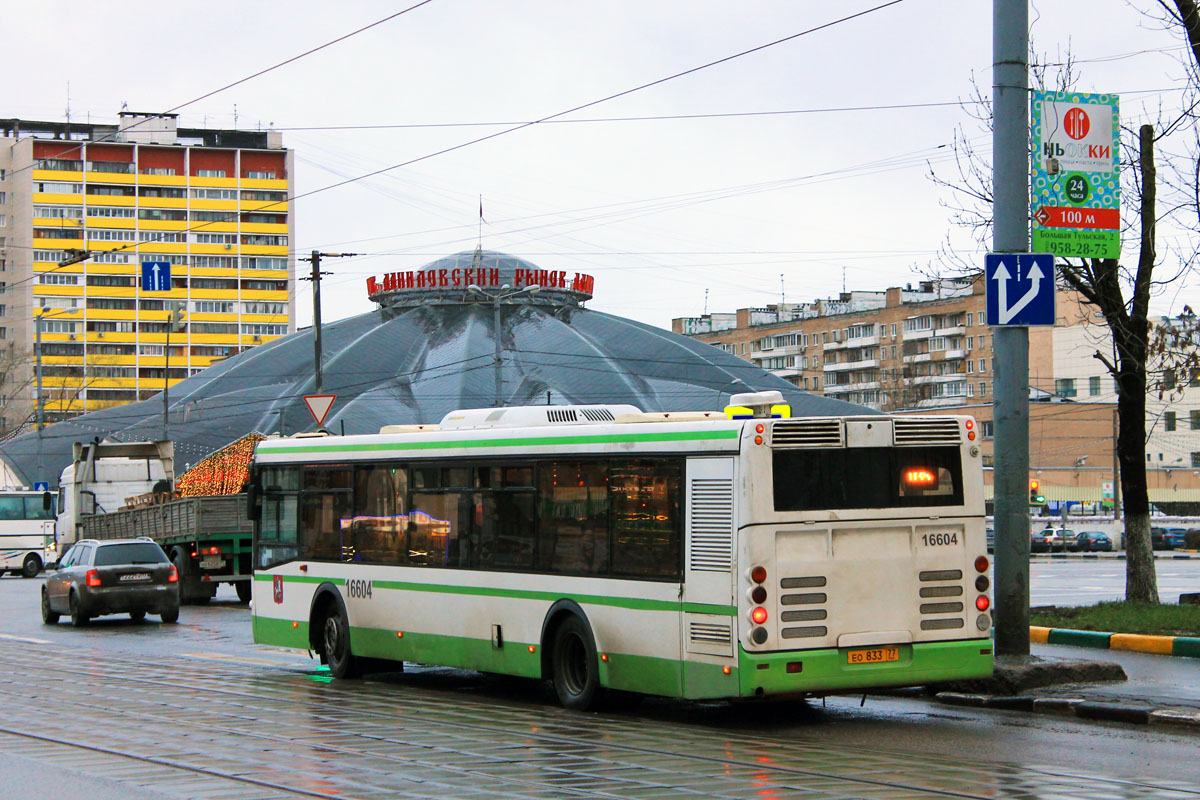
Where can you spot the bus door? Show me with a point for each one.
(709, 611)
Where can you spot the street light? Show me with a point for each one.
(496, 299)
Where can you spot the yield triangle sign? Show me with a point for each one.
(319, 405)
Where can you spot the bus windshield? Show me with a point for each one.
(866, 477)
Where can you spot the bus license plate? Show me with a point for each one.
(876, 655)
(212, 563)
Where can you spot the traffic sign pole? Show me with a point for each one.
(1010, 146)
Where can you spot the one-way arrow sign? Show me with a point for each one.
(1020, 288)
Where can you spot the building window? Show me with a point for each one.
(970, 366)
(158, 170)
(982, 362)
(1169, 421)
(1196, 459)
(210, 173)
(260, 175)
(970, 319)
(1064, 387)
(982, 388)
(1094, 386)
(1194, 419)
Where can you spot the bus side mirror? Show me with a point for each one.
(47, 501)
(253, 509)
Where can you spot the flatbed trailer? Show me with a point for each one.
(208, 539)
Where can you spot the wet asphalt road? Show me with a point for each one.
(197, 710)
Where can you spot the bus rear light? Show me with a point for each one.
(760, 428)
(795, 666)
(758, 574)
(982, 602)
(970, 424)
(727, 670)
(982, 583)
(758, 595)
(604, 656)
(759, 615)
(981, 564)
(971, 435)
(758, 635)
(983, 623)
(758, 440)
(92, 578)
(172, 575)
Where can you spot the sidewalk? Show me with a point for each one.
(1156, 690)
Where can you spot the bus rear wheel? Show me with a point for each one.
(576, 673)
(335, 639)
(31, 567)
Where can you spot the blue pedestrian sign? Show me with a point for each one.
(156, 276)
(1020, 288)
(41, 486)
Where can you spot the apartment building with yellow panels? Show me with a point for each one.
(212, 203)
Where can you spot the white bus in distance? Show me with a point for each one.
(26, 532)
(685, 554)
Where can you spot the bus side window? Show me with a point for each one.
(13, 507)
(646, 518)
(574, 503)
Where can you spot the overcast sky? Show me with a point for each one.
(658, 210)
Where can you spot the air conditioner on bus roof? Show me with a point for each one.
(533, 416)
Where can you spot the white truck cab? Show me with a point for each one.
(102, 475)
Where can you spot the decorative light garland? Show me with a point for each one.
(224, 472)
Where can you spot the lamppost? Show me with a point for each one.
(496, 299)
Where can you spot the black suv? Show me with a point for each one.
(119, 576)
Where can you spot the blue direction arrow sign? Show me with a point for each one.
(156, 276)
(1020, 288)
(41, 486)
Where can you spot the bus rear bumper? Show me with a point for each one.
(819, 671)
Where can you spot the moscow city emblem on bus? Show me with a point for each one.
(277, 585)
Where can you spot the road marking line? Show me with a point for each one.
(258, 662)
(25, 639)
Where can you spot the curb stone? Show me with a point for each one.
(1183, 646)
(1083, 709)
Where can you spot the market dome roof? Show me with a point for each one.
(413, 362)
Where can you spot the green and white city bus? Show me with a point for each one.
(685, 554)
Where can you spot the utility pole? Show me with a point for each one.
(497, 358)
(174, 323)
(1010, 183)
(315, 258)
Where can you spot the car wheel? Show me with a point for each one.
(78, 618)
(576, 673)
(48, 616)
(171, 615)
(335, 639)
(31, 567)
(137, 616)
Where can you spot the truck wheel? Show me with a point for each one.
(243, 590)
(573, 660)
(137, 616)
(335, 639)
(78, 618)
(31, 567)
(49, 617)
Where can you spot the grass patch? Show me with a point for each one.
(1121, 617)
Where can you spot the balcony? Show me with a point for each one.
(843, 388)
(862, 341)
(870, 363)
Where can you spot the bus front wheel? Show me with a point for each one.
(575, 669)
(335, 639)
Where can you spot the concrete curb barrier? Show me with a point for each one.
(1136, 714)
(1186, 646)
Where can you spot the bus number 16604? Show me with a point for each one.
(938, 539)
(359, 588)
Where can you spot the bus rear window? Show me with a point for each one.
(866, 477)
